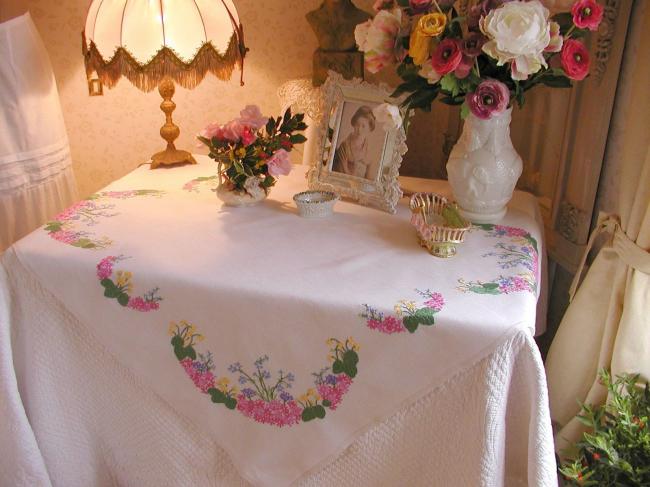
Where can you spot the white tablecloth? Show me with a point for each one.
(483, 413)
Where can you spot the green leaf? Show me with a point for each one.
(53, 226)
(319, 411)
(556, 81)
(350, 358)
(411, 323)
(111, 290)
(338, 367)
(217, 396)
(425, 316)
(326, 403)
(123, 299)
(449, 83)
(308, 414)
(464, 111)
(297, 139)
(488, 227)
(230, 402)
(351, 371)
(107, 283)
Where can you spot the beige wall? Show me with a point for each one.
(110, 135)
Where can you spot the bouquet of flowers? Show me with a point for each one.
(253, 150)
(482, 60)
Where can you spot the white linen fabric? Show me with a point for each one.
(235, 274)
(36, 178)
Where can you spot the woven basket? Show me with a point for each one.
(436, 232)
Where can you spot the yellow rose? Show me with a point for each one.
(432, 25)
(429, 26)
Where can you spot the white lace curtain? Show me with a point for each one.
(607, 325)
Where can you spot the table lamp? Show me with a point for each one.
(159, 42)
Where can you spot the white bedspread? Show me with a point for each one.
(100, 382)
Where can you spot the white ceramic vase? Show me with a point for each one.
(231, 197)
(484, 167)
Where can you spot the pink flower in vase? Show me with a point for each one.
(248, 136)
(212, 130)
(575, 59)
(253, 118)
(447, 56)
(490, 98)
(279, 163)
(587, 14)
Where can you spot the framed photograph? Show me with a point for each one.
(357, 156)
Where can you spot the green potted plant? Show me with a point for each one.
(616, 449)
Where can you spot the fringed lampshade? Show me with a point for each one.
(159, 42)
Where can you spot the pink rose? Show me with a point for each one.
(575, 59)
(248, 136)
(279, 164)
(447, 56)
(212, 130)
(587, 14)
(490, 98)
(252, 117)
(233, 130)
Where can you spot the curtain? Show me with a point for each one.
(36, 179)
(607, 324)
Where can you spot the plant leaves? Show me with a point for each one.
(123, 299)
(319, 411)
(308, 414)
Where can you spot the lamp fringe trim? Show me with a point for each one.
(165, 63)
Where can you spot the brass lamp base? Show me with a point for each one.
(170, 132)
(171, 157)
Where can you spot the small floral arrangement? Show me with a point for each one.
(616, 450)
(482, 61)
(253, 150)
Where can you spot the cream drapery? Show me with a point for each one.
(608, 322)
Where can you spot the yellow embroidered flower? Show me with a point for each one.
(124, 281)
(172, 328)
(428, 27)
(331, 358)
(198, 338)
(331, 342)
(222, 384)
(398, 309)
(353, 344)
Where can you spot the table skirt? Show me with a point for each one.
(73, 416)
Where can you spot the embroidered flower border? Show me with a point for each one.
(263, 398)
(521, 251)
(196, 183)
(89, 211)
(408, 315)
(121, 288)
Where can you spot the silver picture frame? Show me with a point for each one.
(379, 187)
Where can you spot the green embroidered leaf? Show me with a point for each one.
(106, 282)
(488, 227)
(111, 291)
(338, 367)
(411, 323)
(326, 403)
(53, 226)
(123, 299)
(425, 316)
(532, 241)
(182, 352)
(177, 341)
(487, 288)
(217, 396)
(308, 414)
(351, 371)
(84, 243)
(231, 403)
(350, 358)
(319, 411)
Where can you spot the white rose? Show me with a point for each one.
(518, 32)
(379, 34)
(388, 116)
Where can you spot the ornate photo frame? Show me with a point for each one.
(372, 182)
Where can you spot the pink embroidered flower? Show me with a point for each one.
(276, 412)
(490, 98)
(71, 212)
(514, 284)
(105, 267)
(334, 393)
(388, 325)
(447, 56)
(64, 236)
(279, 164)
(252, 117)
(575, 59)
(587, 14)
(435, 301)
(202, 380)
(510, 231)
(119, 194)
(140, 304)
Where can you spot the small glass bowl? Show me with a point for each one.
(316, 204)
